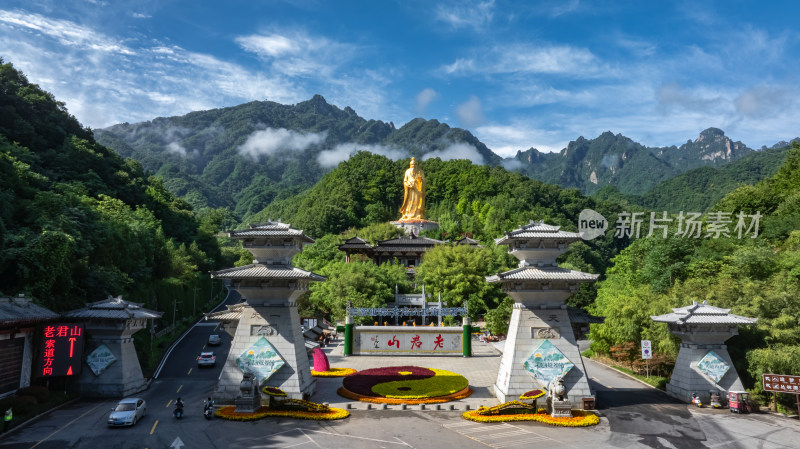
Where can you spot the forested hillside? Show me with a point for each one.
(754, 277)
(246, 156)
(79, 223)
(699, 189)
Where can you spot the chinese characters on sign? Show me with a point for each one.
(412, 341)
(62, 350)
(689, 225)
(781, 383)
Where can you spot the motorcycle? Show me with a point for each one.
(178, 412)
(208, 412)
(696, 400)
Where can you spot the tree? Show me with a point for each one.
(458, 273)
(363, 284)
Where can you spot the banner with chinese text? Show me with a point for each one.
(407, 340)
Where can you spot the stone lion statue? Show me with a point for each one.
(556, 390)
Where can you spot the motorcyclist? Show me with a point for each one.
(208, 403)
(178, 407)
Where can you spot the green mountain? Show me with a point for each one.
(247, 156)
(78, 222)
(698, 189)
(591, 164)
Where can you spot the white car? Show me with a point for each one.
(127, 413)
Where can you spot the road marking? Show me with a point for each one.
(498, 435)
(190, 372)
(179, 389)
(168, 403)
(154, 426)
(66, 425)
(204, 348)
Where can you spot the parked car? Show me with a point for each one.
(206, 359)
(127, 413)
(214, 340)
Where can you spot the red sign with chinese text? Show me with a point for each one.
(62, 350)
(781, 383)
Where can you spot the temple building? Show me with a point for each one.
(407, 250)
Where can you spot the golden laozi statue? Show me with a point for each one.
(414, 198)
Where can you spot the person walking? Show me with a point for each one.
(7, 419)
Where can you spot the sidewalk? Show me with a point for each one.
(480, 370)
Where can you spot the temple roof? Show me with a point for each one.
(407, 242)
(261, 271)
(22, 310)
(355, 243)
(468, 241)
(113, 308)
(538, 230)
(234, 313)
(702, 314)
(549, 273)
(270, 229)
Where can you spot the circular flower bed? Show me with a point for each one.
(533, 394)
(405, 385)
(333, 372)
(263, 412)
(580, 418)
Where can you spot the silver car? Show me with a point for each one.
(206, 359)
(127, 413)
(214, 340)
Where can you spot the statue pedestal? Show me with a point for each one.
(560, 409)
(250, 399)
(416, 226)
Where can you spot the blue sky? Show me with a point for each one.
(516, 74)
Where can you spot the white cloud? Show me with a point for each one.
(531, 59)
(424, 98)
(466, 14)
(342, 152)
(138, 15)
(506, 140)
(67, 33)
(298, 53)
(762, 101)
(511, 164)
(103, 82)
(270, 141)
(175, 147)
(470, 113)
(458, 150)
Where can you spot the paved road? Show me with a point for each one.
(632, 416)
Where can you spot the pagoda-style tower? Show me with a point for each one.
(114, 366)
(703, 362)
(268, 340)
(540, 343)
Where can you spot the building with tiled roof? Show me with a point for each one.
(540, 317)
(268, 317)
(19, 318)
(703, 363)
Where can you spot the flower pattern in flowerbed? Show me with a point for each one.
(518, 411)
(405, 385)
(290, 408)
(333, 372)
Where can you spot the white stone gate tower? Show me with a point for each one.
(703, 362)
(539, 320)
(270, 287)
